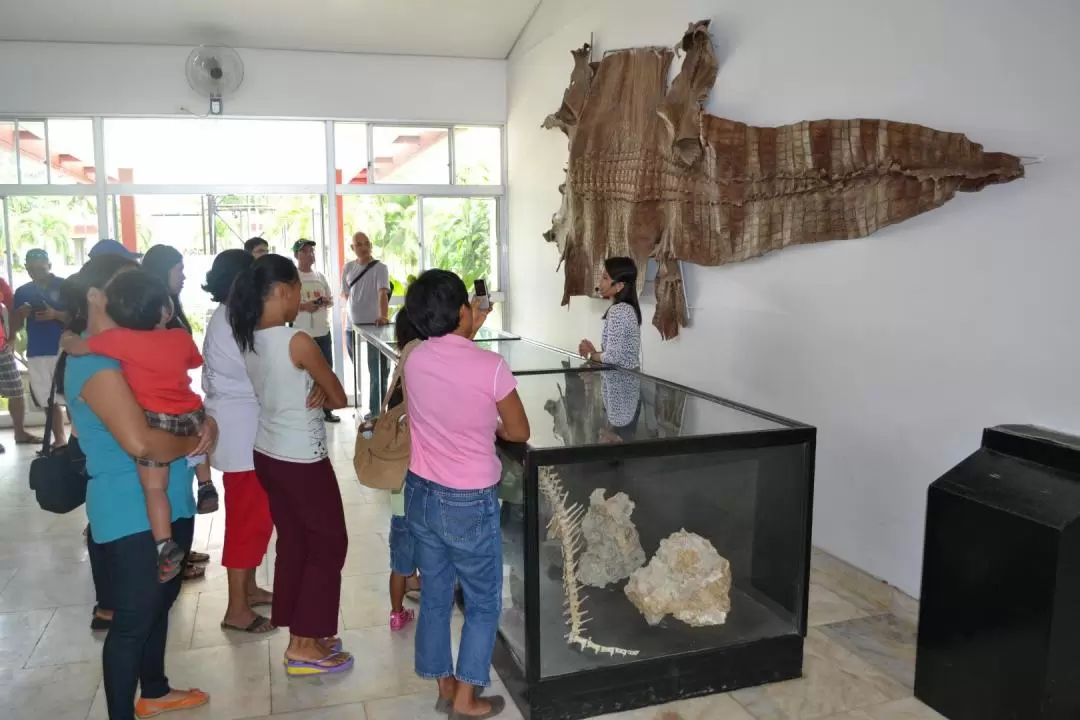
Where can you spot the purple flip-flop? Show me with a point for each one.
(304, 667)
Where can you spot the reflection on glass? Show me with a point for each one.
(512, 520)
(411, 155)
(32, 153)
(392, 224)
(9, 169)
(707, 524)
(478, 156)
(215, 151)
(460, 235)
(523, 356)
(593, 408)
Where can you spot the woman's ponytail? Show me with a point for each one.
(247, 298)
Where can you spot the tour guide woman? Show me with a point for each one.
(622, 322)
(113, 430)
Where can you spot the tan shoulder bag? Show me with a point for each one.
(382, 460)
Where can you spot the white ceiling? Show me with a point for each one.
(450, 28)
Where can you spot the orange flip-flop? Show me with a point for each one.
(176, 700)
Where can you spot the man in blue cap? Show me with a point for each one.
(38, 305)
(111, 247)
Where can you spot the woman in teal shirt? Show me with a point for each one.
(112, 430)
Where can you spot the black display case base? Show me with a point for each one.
(999, 617)
(649, 682)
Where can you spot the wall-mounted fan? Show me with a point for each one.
(214, 72)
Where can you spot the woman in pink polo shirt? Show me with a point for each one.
(460, 397)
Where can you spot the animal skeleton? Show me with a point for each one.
(565, 525)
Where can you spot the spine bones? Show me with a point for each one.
(566, 526)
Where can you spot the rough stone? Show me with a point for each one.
(686, 578)
(612, 545)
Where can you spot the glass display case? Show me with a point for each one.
(382, 337)
(656, 545)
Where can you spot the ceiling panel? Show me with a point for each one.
(451, 28)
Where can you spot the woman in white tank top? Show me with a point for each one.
(285, 366)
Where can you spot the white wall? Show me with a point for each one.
(69, 78)
(901, 347)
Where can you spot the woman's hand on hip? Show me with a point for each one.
(207, 437)
(316, 398)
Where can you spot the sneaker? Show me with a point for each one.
(170, 560)
(398, 620)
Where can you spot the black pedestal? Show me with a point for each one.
(999, 620)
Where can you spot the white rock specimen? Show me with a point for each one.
(612, 545)
(686, 578)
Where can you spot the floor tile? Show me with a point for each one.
(19, 635)
(884, 641)
(237, 678)
(834, 681)
(849, 582)
(907, 709)
(207, 631)
(368, 554)
(421, 705)
(714, 707)
(374, 676)
(35, 587)
(68, 639)
(365, 601)
(64, 692)
(352, 711)
(827, 607)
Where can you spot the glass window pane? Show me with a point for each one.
(461, 234)
(478, 156)
(32, 170)
(71, 151)
(409, 155)
(391, 222)
(218, 151)
(9, 171)
(351, 153)
(64, 227)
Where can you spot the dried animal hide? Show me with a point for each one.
(651, 175)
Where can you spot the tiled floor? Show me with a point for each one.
(859, 657)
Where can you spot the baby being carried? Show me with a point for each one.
(155, 362)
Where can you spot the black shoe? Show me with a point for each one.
(331, 417)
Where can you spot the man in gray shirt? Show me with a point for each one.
(365, 283)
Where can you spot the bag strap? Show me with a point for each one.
(363, 272)
(399, 375)
(46, 441)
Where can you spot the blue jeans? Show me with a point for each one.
(133, 656)
(401, 547)
(456, 538)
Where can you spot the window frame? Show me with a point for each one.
(101, 190)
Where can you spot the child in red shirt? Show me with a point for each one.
(155, 362)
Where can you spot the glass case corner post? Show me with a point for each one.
(781, 548)
(531, 498)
